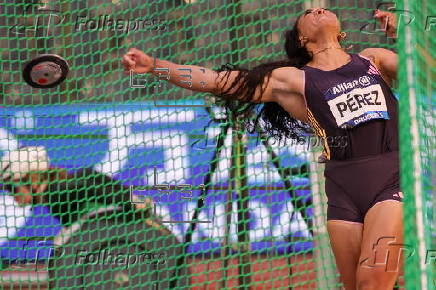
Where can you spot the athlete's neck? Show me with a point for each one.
(326, 52)
(329, 59)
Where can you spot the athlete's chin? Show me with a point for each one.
(327, 25)
(329, 20)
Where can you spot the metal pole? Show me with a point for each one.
(238, 174)
(225, 250)
(323, 256)
(269, 190)
(239, 178)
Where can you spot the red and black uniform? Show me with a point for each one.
(356, 114)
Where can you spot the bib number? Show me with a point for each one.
(358, 106)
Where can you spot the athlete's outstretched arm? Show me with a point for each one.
(207, 80)
(202, 79)
(385, 60)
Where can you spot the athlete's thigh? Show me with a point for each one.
(382, 245)
(345, 239)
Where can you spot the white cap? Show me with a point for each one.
(19, 162)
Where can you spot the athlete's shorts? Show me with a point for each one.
(353, 186)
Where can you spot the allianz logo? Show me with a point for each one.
(363, 81)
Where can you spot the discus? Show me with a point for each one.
(45, 71)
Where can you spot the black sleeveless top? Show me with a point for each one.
(352, 109)
(69, 199)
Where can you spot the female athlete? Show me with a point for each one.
(339, 95)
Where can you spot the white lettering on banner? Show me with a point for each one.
(357, 103)
(176, 168)
(23, 121)
(175, 145)
(214, 230)
(261, 214)
(288, 224)
(256, 158)
(8, 142)
(222, 171)
(176, 161)
(259, 174)
(121, 138)
(12, 217)
(284, 225)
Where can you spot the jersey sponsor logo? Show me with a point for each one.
(359, 105)
(343, 87)
(365, 81)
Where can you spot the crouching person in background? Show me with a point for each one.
(27, 174)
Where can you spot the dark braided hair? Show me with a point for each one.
(277, 122)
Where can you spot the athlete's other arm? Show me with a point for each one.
(385, 60)
(206, 80)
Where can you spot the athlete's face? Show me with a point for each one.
(316, 20)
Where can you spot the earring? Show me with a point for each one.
(342, 35)
(303, 39)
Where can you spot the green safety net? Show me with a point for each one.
(262, 224)
(417, 139)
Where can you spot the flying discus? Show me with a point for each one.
(45, 71)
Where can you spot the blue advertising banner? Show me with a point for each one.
(141, 144)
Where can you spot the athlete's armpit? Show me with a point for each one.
(385, 60)
(283, 80)
(287, 80)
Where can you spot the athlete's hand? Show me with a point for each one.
(137, 61)
(388, 21)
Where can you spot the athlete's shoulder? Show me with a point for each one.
(375, 51)
(286, 70)
(288, 78)
(287, 73)
(376, 54)
(384, 59)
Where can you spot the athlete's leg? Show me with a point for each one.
(346, 238)
(381, 253)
